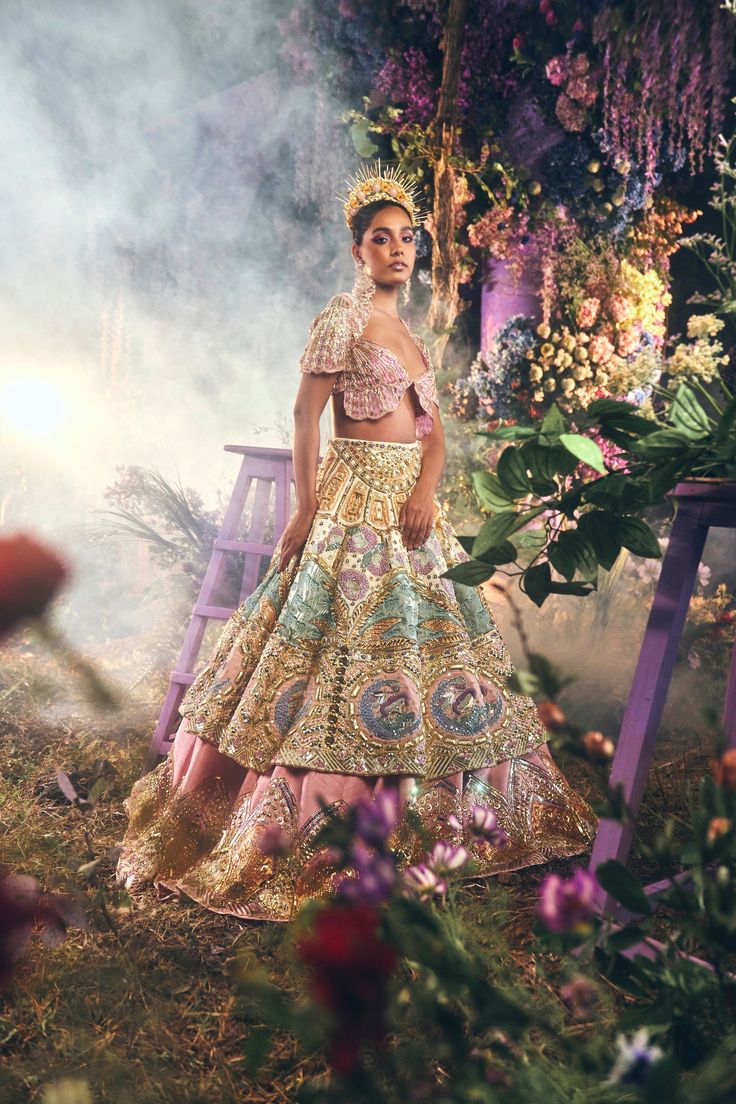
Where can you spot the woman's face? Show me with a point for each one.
(388, 248)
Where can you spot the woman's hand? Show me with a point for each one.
(295, 534)
(416, 517)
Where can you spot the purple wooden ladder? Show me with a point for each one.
(700, 506)
(261, 470)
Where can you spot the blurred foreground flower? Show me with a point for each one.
(23, 906)
(568, 906)
(483, 825)
(350, 965)
(724, 769)
(30, 575)
(635, 1058)
(580, 995)
(424, 883)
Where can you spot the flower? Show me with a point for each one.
(718, 826)
(580, 995)
(446, 857)
(724, 771)
(274, 841)
(375, 819)
(571, 114)
(518, 41)
(587, 312)
(376, 876)
(583, 89)
(634, 1060)
(598, 746)
(30, 575)
(350, 964)
(600, 350)
(557, 70)
(23, 905)
(704, 325)
(484, 826)
(423, 882)
(551, 716)
(566, 906)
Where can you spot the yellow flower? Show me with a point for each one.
(547, 350)
(535, 373)
(704, 325)
(538, 395)
(568, 342)
(567, 385)
(529, 354)
(543, 330)
(580, 353)
(550, 383)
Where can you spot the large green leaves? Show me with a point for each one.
(499, 528)
(584, 449)
(573, 552)
(491, 494)
(687, 414)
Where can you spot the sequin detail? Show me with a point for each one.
(372, 378)
(360, 659)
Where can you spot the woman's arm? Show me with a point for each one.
(311, 399)
(417, 512)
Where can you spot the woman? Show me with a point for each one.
(354, 669)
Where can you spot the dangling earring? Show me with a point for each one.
(405, 291)
(364, 286)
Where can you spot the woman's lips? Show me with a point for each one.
(398, 265)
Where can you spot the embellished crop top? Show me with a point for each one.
(372, 378)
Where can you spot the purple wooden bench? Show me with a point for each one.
(700, 506)
(264, 473)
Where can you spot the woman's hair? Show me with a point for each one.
(364, 216)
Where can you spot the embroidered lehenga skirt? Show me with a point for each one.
(355, 670)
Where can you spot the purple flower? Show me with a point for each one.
(376, 819)
(445, 857)
(274, 841)
(484, 826)
(568, 905)
(376, 876)
(424, 883)
(634, 1060)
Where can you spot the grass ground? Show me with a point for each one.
(141, 1005)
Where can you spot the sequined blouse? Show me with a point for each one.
(372, 378)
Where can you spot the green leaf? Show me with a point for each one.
(584, 449)
(512, 474)
(687, 414)
(536, 583)
(572, 552)
(364, 146)
(469, 572)
(255, 1048)
(638, 537)
(499, 528)
(618, 880)
(553, 423)
(580, 590)
(507, 433)
(466, 543)
(664, 444)
(624, 938)
(547, 461)
(599, 528)
(491, 494)
(502, 554)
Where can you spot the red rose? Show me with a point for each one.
(545, 6)
(30, 575)
(518, 41)
(350, 966)
(550, 18)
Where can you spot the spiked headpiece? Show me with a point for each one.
(372, 182)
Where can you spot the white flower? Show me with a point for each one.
(634, 1059)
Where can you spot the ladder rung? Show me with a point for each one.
(218, 613)
(182, 678)
(244, 546)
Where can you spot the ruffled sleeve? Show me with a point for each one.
(332, 335)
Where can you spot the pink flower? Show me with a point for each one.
(557, 70)
(587, 312)
(600, 349)
(627, 342)
(572, 115)
(518, 41)
(580, 63)
(421, 881)
(446, 857)
(566, 906)
(484, 826)
(619, 308)
(582, 89)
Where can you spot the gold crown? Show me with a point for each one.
(372, 183)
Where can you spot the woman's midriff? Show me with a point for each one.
(397, 425)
